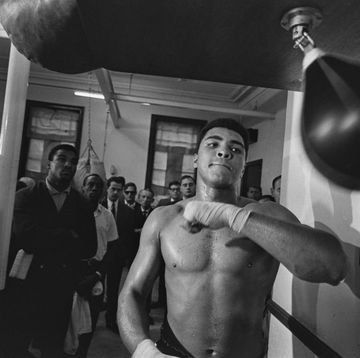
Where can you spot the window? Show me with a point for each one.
(45, 126)
(171, 148)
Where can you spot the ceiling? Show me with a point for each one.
(232, 41)
(223, 98)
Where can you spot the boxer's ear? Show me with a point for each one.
(195, 159)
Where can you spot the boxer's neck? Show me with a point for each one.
(223, 195)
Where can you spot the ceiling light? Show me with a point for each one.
(89, 94)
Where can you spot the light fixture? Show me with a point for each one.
(89, 94)
(330, 122)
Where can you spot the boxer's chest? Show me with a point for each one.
(221, 249)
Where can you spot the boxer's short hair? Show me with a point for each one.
(228, 123)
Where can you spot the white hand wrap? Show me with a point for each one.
(216, 215)
(147, 349)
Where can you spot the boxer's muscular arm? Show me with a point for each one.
(310, 254)
(131, 315)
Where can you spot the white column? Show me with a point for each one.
(331, 313)
(10, 144)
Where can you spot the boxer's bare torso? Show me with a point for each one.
(217, 282)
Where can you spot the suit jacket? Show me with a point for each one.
(137, 205)
(58, 240)
(139, 217)
(125, 222)
(166, 201)
(139, 223)
(48, 234)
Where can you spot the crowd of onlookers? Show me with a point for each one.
(69, 251)
(255, 192)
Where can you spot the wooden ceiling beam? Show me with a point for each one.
(104, 78)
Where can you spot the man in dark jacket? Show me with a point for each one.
(174, 192)
(54, 224)
(124, 218)
(142, 211)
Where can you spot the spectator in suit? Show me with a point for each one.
(187, 186)
(142, 211)
(130, 191)
(125, 223)
(95, 268)
(276, 188)
(174, 192)
(55, 227)
(114, 193)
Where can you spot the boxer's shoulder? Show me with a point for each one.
(163, 214)
(242, 201)
(271, 209)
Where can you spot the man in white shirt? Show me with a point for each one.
(96, 267)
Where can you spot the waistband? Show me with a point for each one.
(169, 344)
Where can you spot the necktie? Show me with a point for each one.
(113, 210)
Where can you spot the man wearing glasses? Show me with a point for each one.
(174, 192)
(130, 191)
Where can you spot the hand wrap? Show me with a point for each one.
(216, 215)
(147, 349)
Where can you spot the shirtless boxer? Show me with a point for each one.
(221, 256)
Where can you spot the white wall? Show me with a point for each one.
(332, 313)
(269, 148)
(126, 147)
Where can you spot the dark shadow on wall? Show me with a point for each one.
(305, 296)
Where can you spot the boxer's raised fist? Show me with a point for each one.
(147, 349)
(215, 215)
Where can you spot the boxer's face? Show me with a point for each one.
(221, 157)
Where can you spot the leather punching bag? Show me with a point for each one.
(330, 125)
(49, 32)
